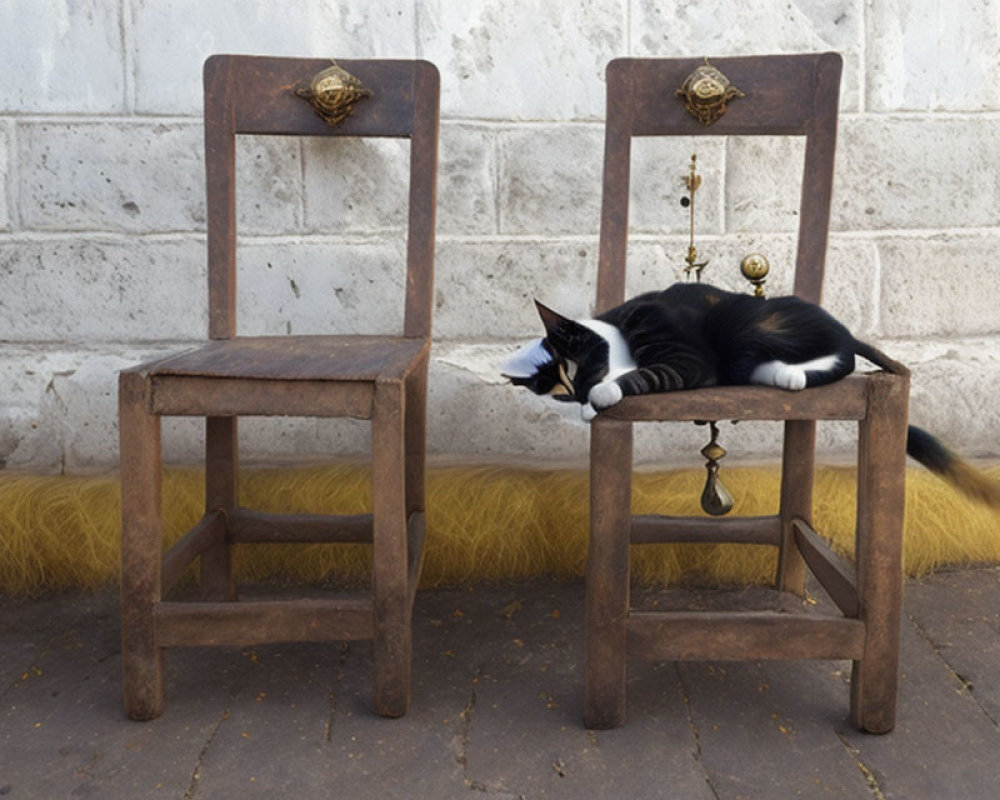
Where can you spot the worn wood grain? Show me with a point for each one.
(607, 590)
(835, 575)
(879, 552)
(307, 358)
(798, 467)
(261, 526)
(142, 542)
(657, 528)
(210, 530)
(845, 399)
(254, 622)
(742, 635)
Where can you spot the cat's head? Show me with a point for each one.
(565, 364)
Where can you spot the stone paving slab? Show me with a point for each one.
(497, 709)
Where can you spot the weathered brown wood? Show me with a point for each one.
(798, 465)
(220, 190)
(142, 537)
(390, 562)
(377, 377)
(879, 552)
(836, 576)
(719, 635)
(656, 528)
(817, 182)
(416, 436)
(219, 397)
(606, 601)
(255, 622)
(261, 526)
(267, 104)
(780, 93)
(305, 358)
(416, 530)
(216, 578)
(423, 203)
(613, 246)
(843, 400)
(210, 530)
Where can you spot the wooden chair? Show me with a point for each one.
(381, 378)
(785, 95)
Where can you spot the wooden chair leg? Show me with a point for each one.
(881, 501)
(221, 467)
(390, 585)
(416, 439)
(142, 535)
(607, 581)
(797, 470)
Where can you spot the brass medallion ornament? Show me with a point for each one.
(333, 92)
(706, 92)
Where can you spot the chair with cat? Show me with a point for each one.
(790, 95)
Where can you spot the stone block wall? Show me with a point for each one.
(102, 212)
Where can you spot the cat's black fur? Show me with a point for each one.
(693, 335)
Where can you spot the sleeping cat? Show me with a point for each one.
(693, 335)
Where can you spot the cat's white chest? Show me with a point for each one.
(607, 393)
(620, 358)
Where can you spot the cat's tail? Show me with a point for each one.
(925, 448)
(879, 359)
(928, 450)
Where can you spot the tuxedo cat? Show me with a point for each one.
(692, 335)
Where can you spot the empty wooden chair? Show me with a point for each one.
(382, 378)
(793, 95)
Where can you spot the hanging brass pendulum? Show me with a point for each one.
(692, 181)
(715, 500)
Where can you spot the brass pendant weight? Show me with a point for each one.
(715, 500)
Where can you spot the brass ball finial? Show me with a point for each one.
(755, 268)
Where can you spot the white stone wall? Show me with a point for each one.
(102, 209)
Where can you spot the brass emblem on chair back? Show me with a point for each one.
(706, 92)
(333, 92)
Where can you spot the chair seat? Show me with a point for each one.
(301, 358)
(844, 399)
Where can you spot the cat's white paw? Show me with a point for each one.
(777, 373)
(790, 377)
(587, 412)
(605, 395)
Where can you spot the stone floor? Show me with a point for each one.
(497, 705)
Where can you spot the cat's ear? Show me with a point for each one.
(554, 322)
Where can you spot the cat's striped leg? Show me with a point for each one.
(644, 380)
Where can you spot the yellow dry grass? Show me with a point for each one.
(483, 523)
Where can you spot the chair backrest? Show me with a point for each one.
(794, 95)
(255, 95)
